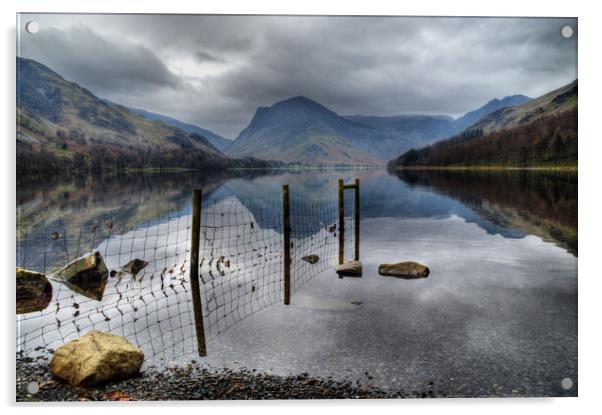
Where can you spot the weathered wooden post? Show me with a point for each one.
(357, 219)
(286, 229)
(194, 272)
(341, 222)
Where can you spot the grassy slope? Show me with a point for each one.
(62, 120)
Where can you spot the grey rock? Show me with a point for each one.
(134, 266)
(312, 259)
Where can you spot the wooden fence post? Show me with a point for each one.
(194, 272)
(357, 219)
(286, 229)
(341, 222)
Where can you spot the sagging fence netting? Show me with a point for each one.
(133, 278)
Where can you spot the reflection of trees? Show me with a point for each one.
(543, 203)
(60, 218)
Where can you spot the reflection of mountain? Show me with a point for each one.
(313, 199)
(538, 203)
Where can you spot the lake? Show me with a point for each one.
(497, 316)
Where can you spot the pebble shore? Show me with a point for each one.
(35, 383)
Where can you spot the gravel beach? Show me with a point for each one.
(35, 383)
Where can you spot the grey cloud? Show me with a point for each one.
(203, 56)
(353, 65)
(98, 63)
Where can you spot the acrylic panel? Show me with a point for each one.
(295, 207)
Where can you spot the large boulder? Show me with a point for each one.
(349, 269)
(34, 291)
(95, 358)
(406, 270)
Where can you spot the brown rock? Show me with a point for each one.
(349, 269)
(95, 358)
(34, 291)
(406, 270)
(87, 275)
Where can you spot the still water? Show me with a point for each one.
(497, 315)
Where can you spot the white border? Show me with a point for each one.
(590, 189)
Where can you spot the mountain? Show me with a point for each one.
(493, 105)
(63, 126)
(540, 132)
(301, 130)
(383, 136)
(216, 140)
(554, 102)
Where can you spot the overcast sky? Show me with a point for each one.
(214, 71)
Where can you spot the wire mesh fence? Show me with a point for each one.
(133, 279)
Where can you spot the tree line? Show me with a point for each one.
(549, 141)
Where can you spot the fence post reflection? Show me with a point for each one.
(286, 224)
(194, 271)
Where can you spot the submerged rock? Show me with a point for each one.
(406, 270)
(33, 291)
(95, 358)
(87, 275)
(134, 266)
(349, 269)
(312, 259)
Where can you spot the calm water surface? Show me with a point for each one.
(496, 316)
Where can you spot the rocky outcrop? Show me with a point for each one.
(406, 270)
(312, 259)
(349, 269)
(95, 358)
(34, 291)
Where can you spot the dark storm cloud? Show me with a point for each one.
(216, 70)
(101, 64)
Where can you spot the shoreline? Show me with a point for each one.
(192, 382)
(488, 168)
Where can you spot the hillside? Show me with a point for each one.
(216, 140)
(541, 132)
(62, 126)
(495, 104)
(554, 102)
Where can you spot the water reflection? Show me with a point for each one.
(58, 218)
(498, 309)
(538, 203)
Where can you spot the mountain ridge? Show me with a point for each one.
(63, 126)
(540, 132)
(216, 140)
(299, 129)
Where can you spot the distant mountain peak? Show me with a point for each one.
(299, 101)
(491, 106)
